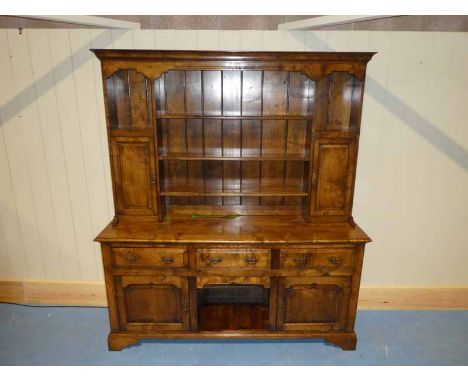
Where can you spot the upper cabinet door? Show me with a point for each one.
(333, 167)
(133, 164)
(128, 101)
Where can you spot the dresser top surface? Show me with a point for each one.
(241, 230)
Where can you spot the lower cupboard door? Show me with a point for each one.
(152, 303)
(313, 303)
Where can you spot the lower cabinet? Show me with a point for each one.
(313, 303)
(219, 300)
(152, 303)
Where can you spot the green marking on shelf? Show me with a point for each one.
(228, 216)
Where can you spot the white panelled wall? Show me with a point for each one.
(412, 181)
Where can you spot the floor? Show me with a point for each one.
(77, 336)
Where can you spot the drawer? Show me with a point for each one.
(161, 257)
(216, 258)
(324, 260)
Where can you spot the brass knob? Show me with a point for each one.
(300, 260)
(251, 260)
(131, 258)
(167, 260)
(335, 260)
(215, 260)
(322, 269)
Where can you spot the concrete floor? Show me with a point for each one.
(77, 336)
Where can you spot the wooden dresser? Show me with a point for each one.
(233, 177)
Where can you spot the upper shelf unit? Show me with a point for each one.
(217, 95)
(255, 129)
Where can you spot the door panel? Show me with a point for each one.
(313, 303)
(332, 179)
(134, 176)
(143, 303)
(149, 303)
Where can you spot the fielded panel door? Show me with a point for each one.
(313, 303)
(148, 303)
(333, 167)
(133, 163)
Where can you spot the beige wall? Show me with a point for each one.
(446, 23)
(412, 179)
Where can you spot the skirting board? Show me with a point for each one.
(71, 293)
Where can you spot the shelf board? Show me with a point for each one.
(236, 117)
(195, 157)
(265, 192)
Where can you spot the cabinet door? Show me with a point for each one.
(313, 303)
(134, 176)
(332, 177)
(148, 303)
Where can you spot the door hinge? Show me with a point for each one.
(314, 179)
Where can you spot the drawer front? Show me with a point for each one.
(214, 258)
(323, 260)
(164, 257)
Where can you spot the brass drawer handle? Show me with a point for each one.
(215, 260)
(252, 260)
(322, 269)
(300, 260)
(335, 260)
(167, 260)
(131, 258)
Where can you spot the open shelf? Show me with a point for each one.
(197, 157)
(233, 307)
(271, 117)
(233, 138)
(233, 317)
(266, 191)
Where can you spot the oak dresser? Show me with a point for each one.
(233, 177)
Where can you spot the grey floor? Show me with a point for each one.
(77, 336)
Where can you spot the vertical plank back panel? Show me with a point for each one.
(251, 132)
(274, 132)
(176, 131)
(122, 104)
(232, 89)
(299, 105)
(193, 101)
(213, 136)
(139, 100)
(356, 105)
(320, 105)
(341, 91)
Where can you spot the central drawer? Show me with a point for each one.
(235, 258)
(151, 257)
